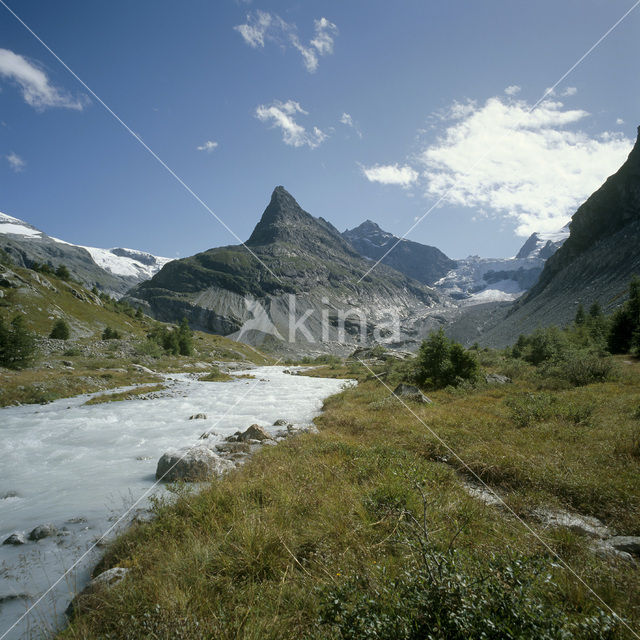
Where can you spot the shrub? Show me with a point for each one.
(63, 272)
(580, 368)
(110, 334)
(17, 344)
(448, 598)
(60, 330)
(526, 409)
(149, 348)
(442, 362)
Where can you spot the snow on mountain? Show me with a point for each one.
(477, 280)
(130, 264)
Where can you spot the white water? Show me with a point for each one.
(66, 461)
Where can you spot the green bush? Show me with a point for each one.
(60, 330)
(149, 348)
(110, 334)
(17, 344)
(63, 272)
(579, 368)
(447, 598)
(441, 362)
(526, 409)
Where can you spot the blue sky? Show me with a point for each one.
(361, 109)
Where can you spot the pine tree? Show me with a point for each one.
(63, 272)
(17, 344)
(443, 362)
(60, 330)
(185, 338)
(625, 322)
(580, 315)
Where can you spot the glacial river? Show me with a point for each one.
(80, 467)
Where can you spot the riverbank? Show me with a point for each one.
(371, 528)
(78, 466)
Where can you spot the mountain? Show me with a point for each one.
(477, 280)
(112, 270)
(301, 266)
(418, 261)
(595, 263)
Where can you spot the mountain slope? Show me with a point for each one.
(595, 263)
(112, 270)
(419, 261)
(221, 289)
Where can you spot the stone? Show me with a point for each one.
(233, 447)
(42, 531)
(496, 378)
(15, 539)
(105, 581)
(198, 416)
(254, 432)
(410, 392)
(584, 525)
(280, 423)
(191, 464)
(628, 544)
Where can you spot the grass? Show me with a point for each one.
(215, 375)
(309, 539)
(132, 394)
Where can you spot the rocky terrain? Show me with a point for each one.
(418, 261)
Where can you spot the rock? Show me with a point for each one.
(254, 432)
(585, 525)
(190, 464)
(105, 581)
(627, 544)
(496, 378)
(67, 363)
(15, 539)
(603, 549)
(280, 423)
(139, 367)
(410, 392)
(233, 447)
(42, 531)
(198, 416)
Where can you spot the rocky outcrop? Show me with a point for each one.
(15, 539)
(42, 531)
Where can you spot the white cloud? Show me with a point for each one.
(282, 115)
(570, 91)
(262, 26)
(208, 146)
(36, 89)
(347, 120)
(391, 174)
(255, 29)
(16, 162)
(512, 90)
(619, 121)
(528, 166)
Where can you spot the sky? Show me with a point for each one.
(363, 110)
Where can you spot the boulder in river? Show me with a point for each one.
(254, 432)
(15, 539)
(106, 580)
(198, 416)
(42, 531)
(191, 464)
(410, 392)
